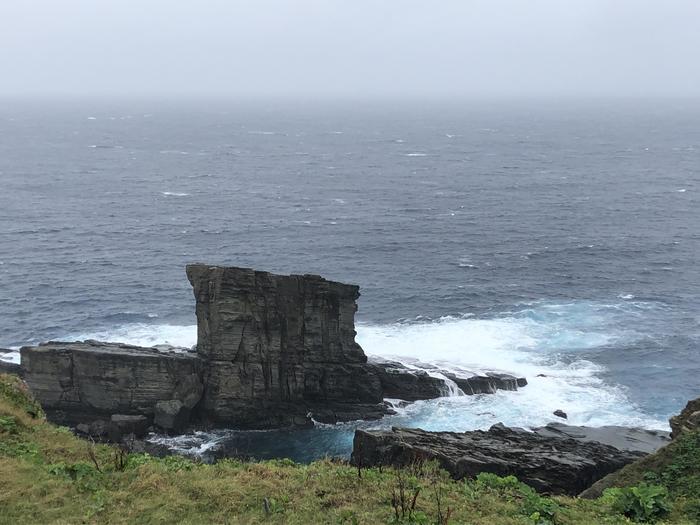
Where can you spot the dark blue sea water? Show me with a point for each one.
(557, 238)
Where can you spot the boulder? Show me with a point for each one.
(688, 420)
(122, 425)
(561, 414)
(553, 465)
(171, 415)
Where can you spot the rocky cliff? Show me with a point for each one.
(86, 381)
(277, 348)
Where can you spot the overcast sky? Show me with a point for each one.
(434, 48)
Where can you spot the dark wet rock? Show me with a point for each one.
(79, 382)
(400, 382)
(486, 384)
(122, 426)
(171, 415)
(278, 347)
(623, 438)
(561, 414)
(98, 428)
(415, 383)
(688, 420)
(552, 465)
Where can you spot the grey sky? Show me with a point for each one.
(350, 47)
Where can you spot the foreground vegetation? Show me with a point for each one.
(47, 475)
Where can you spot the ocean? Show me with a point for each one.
(556, 240)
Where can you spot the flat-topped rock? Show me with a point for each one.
(82, 381)
(279, 348)
(422, 381)
(554, 465)
(623, 438)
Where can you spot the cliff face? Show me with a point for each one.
(81, 382)
(278, 347)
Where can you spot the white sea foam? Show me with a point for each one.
(10, 357)
(173, 194)
(416, 154)
(541, 343)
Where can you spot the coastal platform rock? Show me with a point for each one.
(553, 465)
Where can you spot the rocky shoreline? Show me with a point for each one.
(273, 351)
(279, 351)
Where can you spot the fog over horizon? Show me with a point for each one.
(341, 48)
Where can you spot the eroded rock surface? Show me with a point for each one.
(80, 382)
(623, 438)
(553, 465)
(688, 420)
(280, 348)
(422, 381)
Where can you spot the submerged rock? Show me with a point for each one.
(553, 465)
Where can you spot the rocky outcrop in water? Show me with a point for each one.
(423, 381)
(280, 348)
(87, 381)
(273, 351)
(554, 465)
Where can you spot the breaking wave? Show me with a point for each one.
(550, 344)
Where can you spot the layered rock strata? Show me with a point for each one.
(273, 351)
(80, 382)
(279, 348)
(554, 465)
(423, 381)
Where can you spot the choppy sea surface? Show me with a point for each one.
(542, 239)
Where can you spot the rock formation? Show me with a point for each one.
(623, 438)
(412, 384)
(273, 351)
(278, 347)
(688, 420)
(86, 381)
(553, 465)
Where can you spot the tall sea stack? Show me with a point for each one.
(277, 348)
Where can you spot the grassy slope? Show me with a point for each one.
(47, 475)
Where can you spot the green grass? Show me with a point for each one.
(47, 475)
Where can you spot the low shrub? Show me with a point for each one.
(642, 503)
